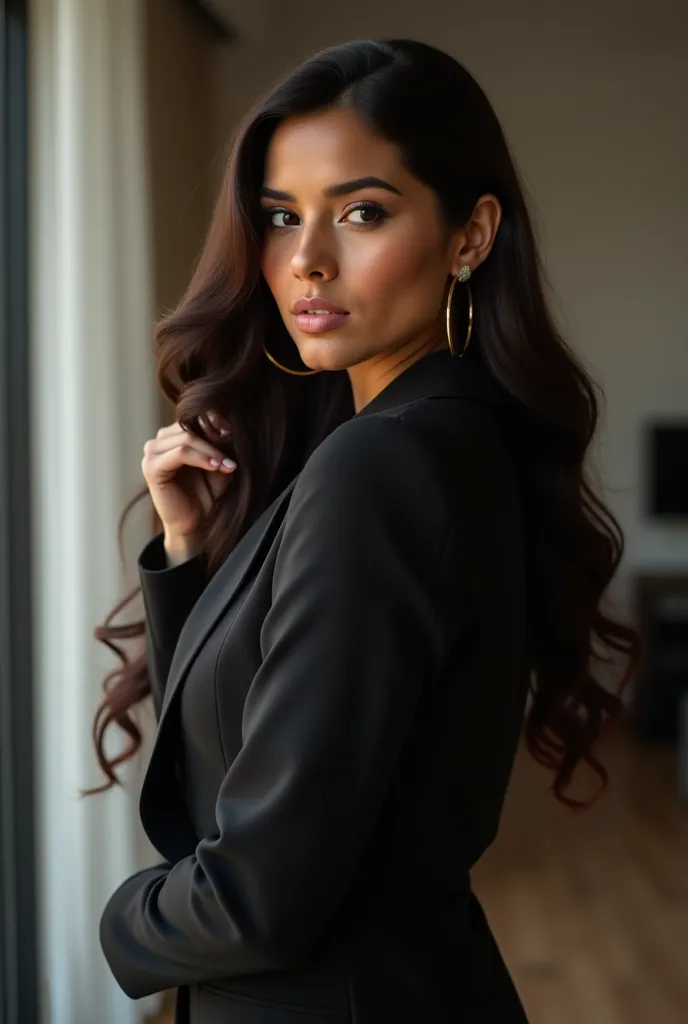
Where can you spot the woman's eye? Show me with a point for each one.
(280, 218)
(366, 213)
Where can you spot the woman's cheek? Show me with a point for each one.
(276, 253)
(392, 267)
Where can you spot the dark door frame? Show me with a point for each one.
(19, 996)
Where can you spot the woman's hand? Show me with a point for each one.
(184, 481)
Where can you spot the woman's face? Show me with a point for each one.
(348, 225)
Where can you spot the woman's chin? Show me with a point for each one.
(323, 353)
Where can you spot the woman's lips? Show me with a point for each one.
(317, 323)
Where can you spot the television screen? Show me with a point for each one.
(668, 469)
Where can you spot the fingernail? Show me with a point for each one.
(229, 464)
(214, 462)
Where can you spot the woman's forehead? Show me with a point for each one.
(318, 151)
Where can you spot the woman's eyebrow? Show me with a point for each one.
(332, 191)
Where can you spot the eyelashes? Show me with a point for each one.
(363, 207)
(379, 211)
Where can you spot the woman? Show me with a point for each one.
(344, 621)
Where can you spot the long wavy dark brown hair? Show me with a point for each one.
(209, 357)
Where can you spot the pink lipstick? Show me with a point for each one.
(315, 315)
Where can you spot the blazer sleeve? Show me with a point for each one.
(168, 594)
(361, 618)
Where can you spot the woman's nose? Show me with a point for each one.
(312, 257)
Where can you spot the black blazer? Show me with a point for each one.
(339, 709)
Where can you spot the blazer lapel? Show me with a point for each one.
(219, 594)
(162, 809)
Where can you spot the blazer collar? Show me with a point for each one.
(438, 374)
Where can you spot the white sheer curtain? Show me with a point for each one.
(93, 406)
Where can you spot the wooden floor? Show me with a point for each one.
(591, 910)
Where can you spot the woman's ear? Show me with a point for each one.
(477, 235)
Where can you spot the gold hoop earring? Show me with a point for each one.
(462, 276)
(295, 373)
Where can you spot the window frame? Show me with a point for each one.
(19, 988)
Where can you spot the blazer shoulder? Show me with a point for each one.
(372, 481)
(373, 469)
(457, 417)
(367, 451)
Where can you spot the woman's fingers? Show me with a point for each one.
(162, 461)
(168, 440)
(185, 474)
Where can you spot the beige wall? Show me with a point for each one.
(183, 139)
(185, 149)
(594, 102)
